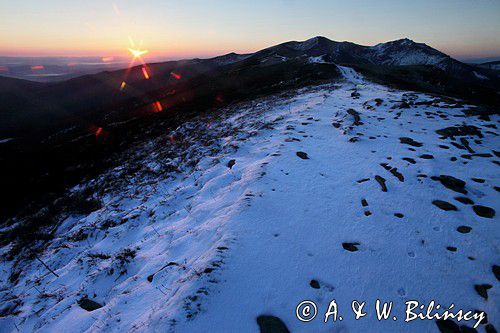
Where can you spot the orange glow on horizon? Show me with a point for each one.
(4, 69)
(37, 67)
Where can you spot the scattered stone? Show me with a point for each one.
(451, 183)
(368, 213)
(271, 324)
(399, 215)
(364, 203)
(467, 329)
(363, 180)
(444, 205)
(496, 271)
(231, 163)
(463, 229)
(447, 326)
(460, 130)
(410, 141)
(478, 180)
(427, 156)
(464, 200)
(408, 159)
(302, 155)
(355, 114)
(351, 247)
(451, 248)
(381, 181)
(490, 328)
(314, 284)
(88, 304)
(444, 147)
(465, 142)
(482, 290)
(484, 211)
(355, 94)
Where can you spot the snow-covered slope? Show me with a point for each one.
(326, 194)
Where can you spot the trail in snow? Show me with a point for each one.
(245, 230)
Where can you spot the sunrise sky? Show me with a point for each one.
(188, 28)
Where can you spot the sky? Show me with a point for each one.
(464, 29)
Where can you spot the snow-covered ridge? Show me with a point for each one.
(235, 214)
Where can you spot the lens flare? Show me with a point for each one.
(157, 106)
(137, 53)
(145, 73)
(123, 85)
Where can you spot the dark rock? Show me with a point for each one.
(355, 94)
(427, 156)
(364, 203)
(496, 270)
(484, 211)
(355, 114)
(451, 248)
(363, 180)
(408, 159)
(381, 181)
(351, 247)
(467, 329)
(462, 130)
(271, 324)
(302, 155)
(464, 200)
(482, 290)
(88, 304)
(368, 213)
(465, 142)
(314, 284)
(410, 141)
(451, 183)
(397, 174)
(490, 328)
(447, 326)
(399, 215)
(444, 205)
(478, 180)
(463, 229)
(231, 163)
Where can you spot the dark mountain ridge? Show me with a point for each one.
(73, 128)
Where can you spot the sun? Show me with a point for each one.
(137, 53)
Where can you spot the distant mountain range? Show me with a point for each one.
(57, 121)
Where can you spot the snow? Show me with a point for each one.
(480, 76)
(246, 238)
(318, 60)
(6, 140)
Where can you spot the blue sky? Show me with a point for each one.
(462, 28)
